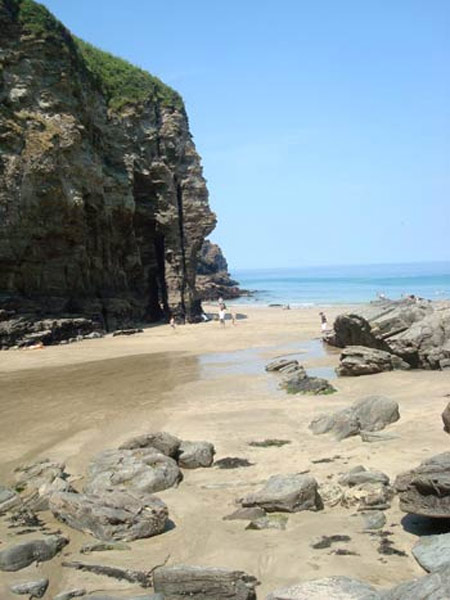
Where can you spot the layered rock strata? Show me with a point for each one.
(103, 205)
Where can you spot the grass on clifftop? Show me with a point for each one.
(121, 82)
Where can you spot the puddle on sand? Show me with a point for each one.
(252, 361)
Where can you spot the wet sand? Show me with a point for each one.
(203, 382)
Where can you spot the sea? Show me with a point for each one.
(350, 284)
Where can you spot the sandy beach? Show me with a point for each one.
(204, 382)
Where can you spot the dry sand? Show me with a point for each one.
(202, 382)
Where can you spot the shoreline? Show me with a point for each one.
(202, 382)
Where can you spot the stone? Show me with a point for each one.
(35, 589)
(112, 516)
(272, 521)
(131, 331)
(142, 578)
(203, 583)
(369, 414)
(328, 588)
(360, 474)
(103, 547)
(141, 471)
(281, 363)
(252, 513)
(161, 441)
(37, 481)
(435, 586)
(372, 437)
(286, 493)
(269, 443)
(299, 382)
(69, 594)
(359, 360)
(425, 490)
(194, 455)
(368, 496)
(446, 418)
(325, 541)
(26, 553)
(373, 520)
(232, 462)
(432, 552)
(9, 499)
(213, 280)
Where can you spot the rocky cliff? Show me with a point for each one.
(103, 206)
(213, 278)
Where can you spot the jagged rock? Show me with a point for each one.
(369, 414)
(446, 418)
(141, 471)
(298, 382)
(165, 443)
(271, 521)
(213, 279)
(193, 455)
(435, 586)
(69, 594)
(425, 490)
(202, 583)
(359, 360)
(254, 512)
(432, 552)
(281, 363)
(21, 555)
(360, 475)
(29, 330)
(9, 499)
(38, 481)
(286, 493)
(112, 516)
(36, 589)
(338, 588)
(104, 208)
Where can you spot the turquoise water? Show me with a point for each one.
(346, 284)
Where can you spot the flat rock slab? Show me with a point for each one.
(329, 588)
(111, 516)
(359, 475)
(286, 493)
(202, 583)
(21, 555)
(35, 589)
(432, 552)
(140, 471)
(359, 360)
(425, 490)
(281, 363)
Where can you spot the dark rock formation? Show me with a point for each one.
(425, 490)
(21, 555)
(103, 205)
(295, 380)
(416, 331)
(213, 278)
(202, 583)
(359, 360)
(286, 493)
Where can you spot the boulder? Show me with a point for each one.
(359, 360)
(35, 589)
(161, 441)
(9, 499)
(286, 493)
(298, 382)
(446, 418)
(193, 455)
(21, 555)
(425, 490)
(360, 475)
(432, 552)
(369, 414)
(36, 482)
(114, 515)
(435, 586)
(141, 471)
(281, 363)
(203, 583)
(373, 520)
(328, 588)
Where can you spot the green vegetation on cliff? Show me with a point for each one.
(121, 82)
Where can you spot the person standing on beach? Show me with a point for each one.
(222, 313)
(323, 322)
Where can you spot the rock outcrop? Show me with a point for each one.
(213, 278)
(103, 205)
(412, 331)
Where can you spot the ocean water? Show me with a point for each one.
(309, 286)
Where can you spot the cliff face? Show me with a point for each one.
(103, 206)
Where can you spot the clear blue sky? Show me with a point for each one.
(323, 125)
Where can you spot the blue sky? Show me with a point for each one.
(323, 125)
